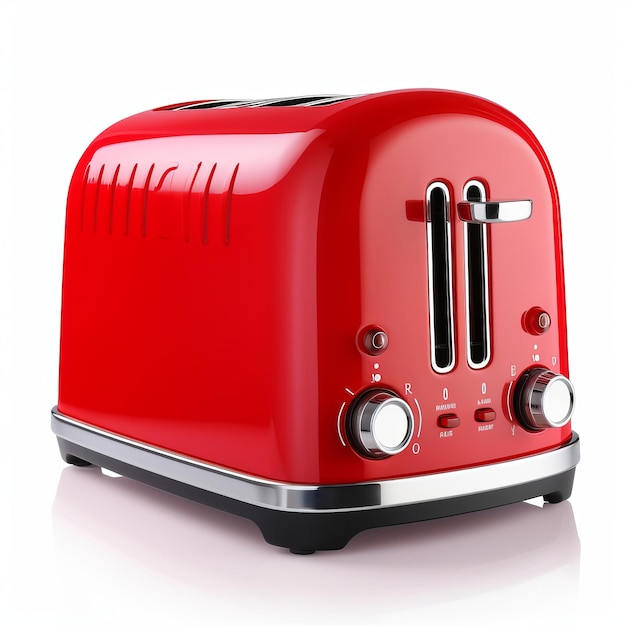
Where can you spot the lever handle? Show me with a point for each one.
(494, 212)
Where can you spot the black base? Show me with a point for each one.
(304, 533)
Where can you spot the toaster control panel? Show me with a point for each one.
(480, 371)
(380, 424)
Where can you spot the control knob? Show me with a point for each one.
(380, 424)
(544, 399)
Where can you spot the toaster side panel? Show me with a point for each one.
(189, 316)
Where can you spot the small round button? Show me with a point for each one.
(374, 340)
(536, 321)
(544, 399)
(380, 424)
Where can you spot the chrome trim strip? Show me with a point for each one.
(317, 498)
(304, 101)
(264, 102)
(448, 270)
(493, 212)
(329, 100)
(206, 104)
(288, 100)
(487, 295)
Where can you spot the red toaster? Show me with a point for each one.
(325, 314)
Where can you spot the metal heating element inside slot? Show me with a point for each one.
(476, 283)
(440, 277)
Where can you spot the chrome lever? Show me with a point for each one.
(494, 212)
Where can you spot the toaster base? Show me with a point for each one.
(306, 518)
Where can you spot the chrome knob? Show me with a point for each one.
(380, 424)
(544, 399)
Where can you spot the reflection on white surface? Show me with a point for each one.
(510, 563)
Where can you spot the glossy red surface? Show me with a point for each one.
(222, 265)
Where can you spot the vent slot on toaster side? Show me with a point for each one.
(440, 278)
(476, 283)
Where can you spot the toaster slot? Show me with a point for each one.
(211, 104)
(476, 283)
(315, 101)
(440, 277)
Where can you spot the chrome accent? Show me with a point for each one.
(440, 324)
(209, 104)
(547, 399)
(329, 100)
(317, 498)
(484, 313)
(380, 424)
(272, 102)
(494, 212)
(305, 101)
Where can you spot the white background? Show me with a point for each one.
(80, 547)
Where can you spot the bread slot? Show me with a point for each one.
(441, 311)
